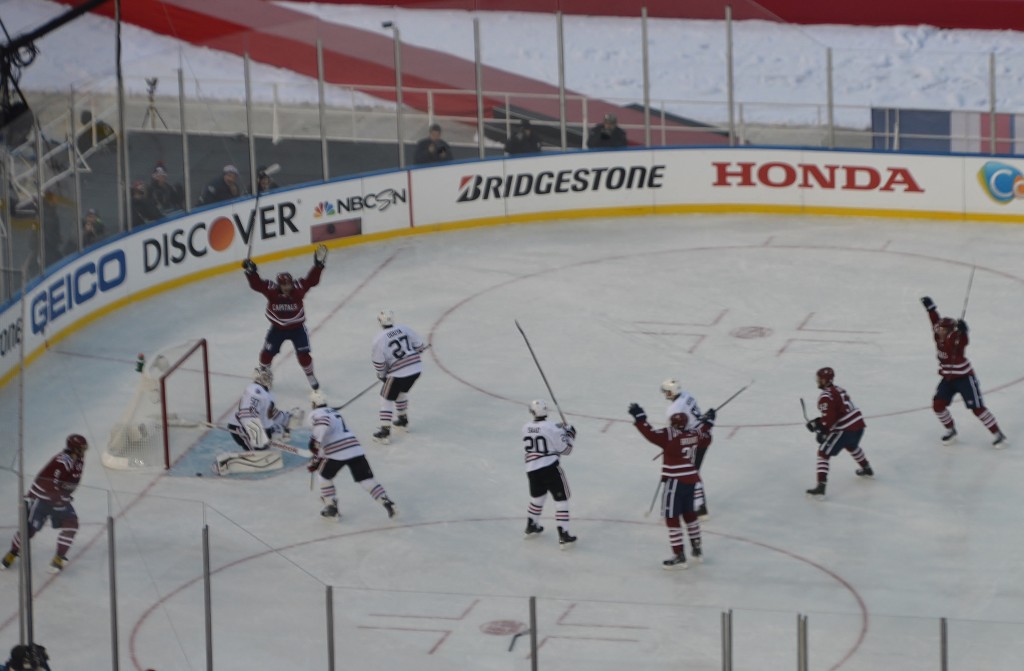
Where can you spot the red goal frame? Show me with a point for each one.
(200, 344)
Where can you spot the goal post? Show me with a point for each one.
(168, 412)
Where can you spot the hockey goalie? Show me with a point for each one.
(254, 426)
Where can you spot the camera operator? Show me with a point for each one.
(607, 134)
(432, 149)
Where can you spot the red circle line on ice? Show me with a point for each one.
(162, 602)
(436, 350)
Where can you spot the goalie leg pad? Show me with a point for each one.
(249, 462)
(255, 435)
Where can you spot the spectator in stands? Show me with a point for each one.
(264, 182)
(166, 196)
(92, 232)
(144, 210)
(103, 132)
(523, 142)
(607, 134)
(432, 149)
(225, 187)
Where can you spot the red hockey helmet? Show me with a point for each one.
(285, 278)
(678, 420)
(947, 323)
(76, 443)
(825, 377)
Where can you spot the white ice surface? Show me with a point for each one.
(611, 307)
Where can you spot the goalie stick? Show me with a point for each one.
(276, 444)
(541, 371)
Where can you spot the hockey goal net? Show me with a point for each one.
(169, 411)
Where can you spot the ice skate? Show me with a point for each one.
(697, 552)
(401, 422)
(949, 437)
(383, 436)
(866, 472)
(565, 539)
(1000, 442)
(57, 564)
(532, 529)
(8, 559)
(675, 563)
(389, 506)
(818, 491)
(330, 511)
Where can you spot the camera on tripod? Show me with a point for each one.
(151, 87)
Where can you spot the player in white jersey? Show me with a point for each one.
(545, 442)
(334, 447)
(396, 359)
(255, 422)
(684, 403)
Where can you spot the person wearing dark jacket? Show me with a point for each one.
(144, 210)
(523, 142)
(225, 187)
(168, 197)
(607, 134)
(432, 149)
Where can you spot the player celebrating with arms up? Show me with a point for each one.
(286, 312)
(957, 375)
(839, 428)
(679, 499)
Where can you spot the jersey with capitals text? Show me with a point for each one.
(544, 442)
(58, 479)
(838, 413)
(258, 403)
(678, 460)
(396, 352)
(335, 439)
(953, 362)
(687, 405)
(285, 312)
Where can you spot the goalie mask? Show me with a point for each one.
(670, 388)
(263, 377)
(539, 409)
(825, 377)
(386, 318)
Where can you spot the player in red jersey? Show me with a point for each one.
(286, 313)
(680, 498)
(49, 498)
(839, 428)
(957, 375)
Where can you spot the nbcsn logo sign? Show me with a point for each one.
(1003, 183)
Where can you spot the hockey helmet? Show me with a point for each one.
(947, 323)
(285, 278)
(539, 409)
(678, 420)
(386, 318)
(263, 377)
(670, 388)
(317, 398)
(76, 443)
(825, 377)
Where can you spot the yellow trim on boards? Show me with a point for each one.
(585, 213)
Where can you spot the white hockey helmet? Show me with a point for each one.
(670, 388)
(539, 409)
(317, 398)
(263, 377)
(386, 318)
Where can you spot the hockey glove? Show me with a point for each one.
(928, 303)
(314, 464)
(637, 412)
(961, 326)
(248, 266)
(820, 436)
(570, 431)
(709, 416)
(814, 425)
(320, 256)
(314, 447)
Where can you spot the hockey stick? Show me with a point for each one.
(720, 406)
(803, 409)
(276, 444)
(356, 397)
(967, 296)
(657, 492)
(541, 371)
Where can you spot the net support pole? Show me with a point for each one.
(207, 598)
(727, 640)
(943, 645)
(533, 634)
(112, 572)
(330, 628)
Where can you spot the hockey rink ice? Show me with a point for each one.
(612, 307)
